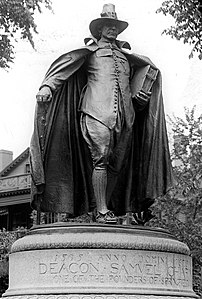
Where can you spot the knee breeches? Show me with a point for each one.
(107, 146)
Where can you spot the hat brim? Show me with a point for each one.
(97, 23)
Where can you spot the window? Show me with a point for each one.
(27, 168)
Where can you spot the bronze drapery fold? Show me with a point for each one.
(61, 170)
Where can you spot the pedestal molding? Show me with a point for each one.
(81, 261)
(110, 237)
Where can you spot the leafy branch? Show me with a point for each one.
(17, 18)
(188, 22)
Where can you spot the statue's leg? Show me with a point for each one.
(99, 181)
(98, 138)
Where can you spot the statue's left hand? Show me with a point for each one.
(141, 100)
(144, 96)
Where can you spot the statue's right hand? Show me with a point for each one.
(44, 94)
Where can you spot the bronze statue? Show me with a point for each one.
(100, 141)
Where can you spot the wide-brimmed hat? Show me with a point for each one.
(108, 14)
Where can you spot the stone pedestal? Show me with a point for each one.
(89, 261)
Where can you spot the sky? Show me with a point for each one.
(64, 30)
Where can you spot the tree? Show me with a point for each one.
(6, 241)
(187, 157)
(188, 22)
(17, 19)
(180, 211)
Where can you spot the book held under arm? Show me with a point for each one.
(143, 80)
(141, 85)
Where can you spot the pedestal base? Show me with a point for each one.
(79, 261)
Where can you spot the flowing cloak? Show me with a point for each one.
(61, 165)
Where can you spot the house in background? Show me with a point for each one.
(15, 182)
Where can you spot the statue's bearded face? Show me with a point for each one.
(109, 32)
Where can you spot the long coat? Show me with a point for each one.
(61, 165)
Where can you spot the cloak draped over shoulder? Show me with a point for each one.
(61, 165)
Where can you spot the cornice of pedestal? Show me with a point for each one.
(65, 235)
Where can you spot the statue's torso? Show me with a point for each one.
(108, 89)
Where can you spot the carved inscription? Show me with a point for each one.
(96, 267)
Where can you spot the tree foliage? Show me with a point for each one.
(6, 241)
(17, 20)
(187, 154)
(180, 211)
(188, 22)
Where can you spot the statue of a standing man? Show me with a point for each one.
(99, 143)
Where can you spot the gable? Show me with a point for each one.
(18, 166)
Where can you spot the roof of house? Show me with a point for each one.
(14, 163)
